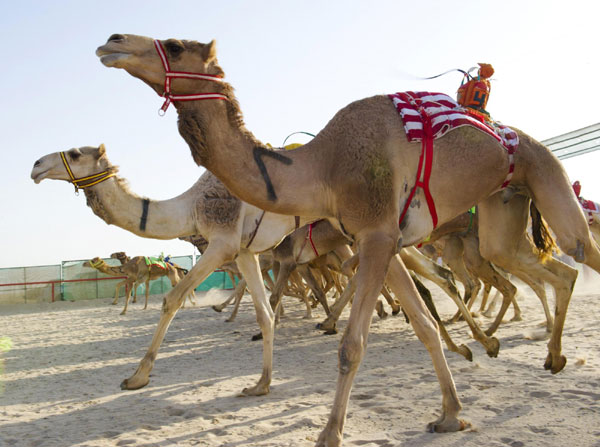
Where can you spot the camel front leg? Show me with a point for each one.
(217, 253)
(127, 297)
(147, 287)
(283, 274)
(426, 329)
(314, 285)
(487, 288)
(248, 264)
(329, 324)
(117, 288)
(375, 252)
(238, 295)
(430, 270)
(220, 307)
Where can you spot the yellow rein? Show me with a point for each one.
(93, 179)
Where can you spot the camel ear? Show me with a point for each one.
(209, 51)
(101, 150)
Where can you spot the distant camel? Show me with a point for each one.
(137, 272)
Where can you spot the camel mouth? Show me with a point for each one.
(39, 176)
(111, 59)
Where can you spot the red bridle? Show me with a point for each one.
(169, 97)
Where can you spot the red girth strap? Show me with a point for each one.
(426, 159)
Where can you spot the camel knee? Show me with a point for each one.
(349, 355)
(171, 304)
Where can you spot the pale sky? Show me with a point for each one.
(293, 65)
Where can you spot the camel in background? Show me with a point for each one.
(137, 272)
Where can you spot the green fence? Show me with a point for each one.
(72, 281)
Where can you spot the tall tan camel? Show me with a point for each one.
(358, 172)
(233, 229)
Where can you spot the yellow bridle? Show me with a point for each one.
(100, 263)
(92, 180)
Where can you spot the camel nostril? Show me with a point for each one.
(116, 38)
(37, 163)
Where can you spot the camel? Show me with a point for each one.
(100, 265)
(233, 229)
(361, 173)
(463, 232)
(137, 271)
(155, 270)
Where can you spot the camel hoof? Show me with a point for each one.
(493, 348)
(448, 426)
(329, 439)
(122, 313)
(256, 390)
(257, 337)
(325, 325)
(555, 367)
(395, 312)
(129, 384)
(465, 352)
(517, 318)
(331, 331)
(215, 308)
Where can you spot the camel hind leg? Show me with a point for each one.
(503, 241)
(425, 267)
(426, 296)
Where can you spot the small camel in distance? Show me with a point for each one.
(137, 272)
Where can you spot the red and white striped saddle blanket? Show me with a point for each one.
(427, 116)
(589, 208)
(445, 114)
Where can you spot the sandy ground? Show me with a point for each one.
(61, 380)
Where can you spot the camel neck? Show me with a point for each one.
(284, 182)
(116, 205)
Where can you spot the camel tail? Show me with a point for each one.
(542, 238)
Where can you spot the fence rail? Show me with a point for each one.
(71, 281)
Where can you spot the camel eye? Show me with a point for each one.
(174, 48)
(74, 155)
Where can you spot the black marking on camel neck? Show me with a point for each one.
(144, 218)
(258, 152)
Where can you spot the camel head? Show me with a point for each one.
(138, 56)
(83, 161)
(93, 263)
(121, 256)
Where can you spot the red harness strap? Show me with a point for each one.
(169, 97)
(309, 238)
(426, 159)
